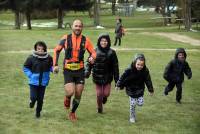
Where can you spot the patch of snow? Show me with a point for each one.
(46, 24)
(100, 27)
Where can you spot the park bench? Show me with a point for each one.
(178, 20)
(181, 20)
(67, 24)
(159, 19)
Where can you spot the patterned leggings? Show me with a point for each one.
(133, 102)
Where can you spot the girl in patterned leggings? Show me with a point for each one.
(134, 79)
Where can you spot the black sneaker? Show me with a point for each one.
(100, 110)
(37, 115)
(104, 100)
(31, 104)
(165, 93)
(178, 102)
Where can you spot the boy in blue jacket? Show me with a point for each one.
(37, 68)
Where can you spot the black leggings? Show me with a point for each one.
(170, 87)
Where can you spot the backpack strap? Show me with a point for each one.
(82, 48)
(68, 51)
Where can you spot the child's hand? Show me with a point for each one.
(91, 60)
(117, 88)
(55, 69)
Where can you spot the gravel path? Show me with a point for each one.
(177, 37)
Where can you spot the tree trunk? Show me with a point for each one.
(169, 14)
(28, 20)
(113, 7)
(17, 20)
(188, 15)
(90, 12)
(60, 18)
(164, 15)
(96, 13)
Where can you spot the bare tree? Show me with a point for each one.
(60, 17)
(90, 12)
(113, 6)
(17, 20)
(188, 15)
(96, 12)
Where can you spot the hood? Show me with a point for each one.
(136, 57)
(107, 37)
(180, 50)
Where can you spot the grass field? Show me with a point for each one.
(159, 115)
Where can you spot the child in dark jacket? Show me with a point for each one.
(37, 68)
(104, 69)
(134, 79)
(174, 73)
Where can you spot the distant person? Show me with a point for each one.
(74, 44)
(104, 69)
(37, 68)
(174, 73)
(134, 79)
(119, 32)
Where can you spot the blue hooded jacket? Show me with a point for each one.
(37, 68)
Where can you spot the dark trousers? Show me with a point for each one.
(170, 87)
(117, 38)
(102, 91)
(37, 94)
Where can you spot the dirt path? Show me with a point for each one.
(177, 37)
(117, 49)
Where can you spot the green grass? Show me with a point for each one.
(159, 115)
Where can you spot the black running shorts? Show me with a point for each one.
(76, 77)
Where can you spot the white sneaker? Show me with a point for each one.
(132, 120)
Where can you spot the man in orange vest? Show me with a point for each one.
(74, 45)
